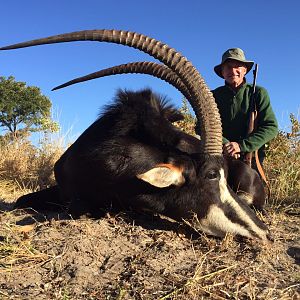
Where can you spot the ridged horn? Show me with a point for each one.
(140, 67)
(201, 100)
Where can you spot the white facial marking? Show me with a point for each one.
(218, 218)
(216, 223)
(246, 197)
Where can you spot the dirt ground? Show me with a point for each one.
(130, 256)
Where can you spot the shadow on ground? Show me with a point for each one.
(145, 220)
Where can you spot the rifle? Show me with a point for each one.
(252, 115)
(252, 126)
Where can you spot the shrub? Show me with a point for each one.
(282, 165)
(24, 167)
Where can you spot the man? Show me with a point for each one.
(233, 100)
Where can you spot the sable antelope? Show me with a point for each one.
(241, 178)
(132, 156)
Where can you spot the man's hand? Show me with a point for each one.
(232, 149)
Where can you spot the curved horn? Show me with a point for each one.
(144, 67)
(201, 99)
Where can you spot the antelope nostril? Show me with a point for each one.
(212, 174)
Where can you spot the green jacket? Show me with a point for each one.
(234, 111)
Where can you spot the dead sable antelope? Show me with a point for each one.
(133, 157)
(241, 178)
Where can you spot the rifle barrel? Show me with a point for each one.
(254, 78)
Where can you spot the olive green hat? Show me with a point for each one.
(235, 54)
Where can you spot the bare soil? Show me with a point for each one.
(134, 256)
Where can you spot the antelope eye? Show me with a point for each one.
(212, 174)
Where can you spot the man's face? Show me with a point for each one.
(234, 72)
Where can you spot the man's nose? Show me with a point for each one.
(234, 71)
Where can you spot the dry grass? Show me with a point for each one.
(16, 250)
(283, 166)
(24, 167)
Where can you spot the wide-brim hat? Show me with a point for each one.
(235, 54)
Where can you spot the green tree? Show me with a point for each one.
(23, 109)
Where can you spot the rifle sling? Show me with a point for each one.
(261, 172)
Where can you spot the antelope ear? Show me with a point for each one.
(163, 175)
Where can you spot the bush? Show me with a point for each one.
(282, 165)
(24, 167)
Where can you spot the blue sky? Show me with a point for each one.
(268, 32)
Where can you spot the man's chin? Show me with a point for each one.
(233, 83)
